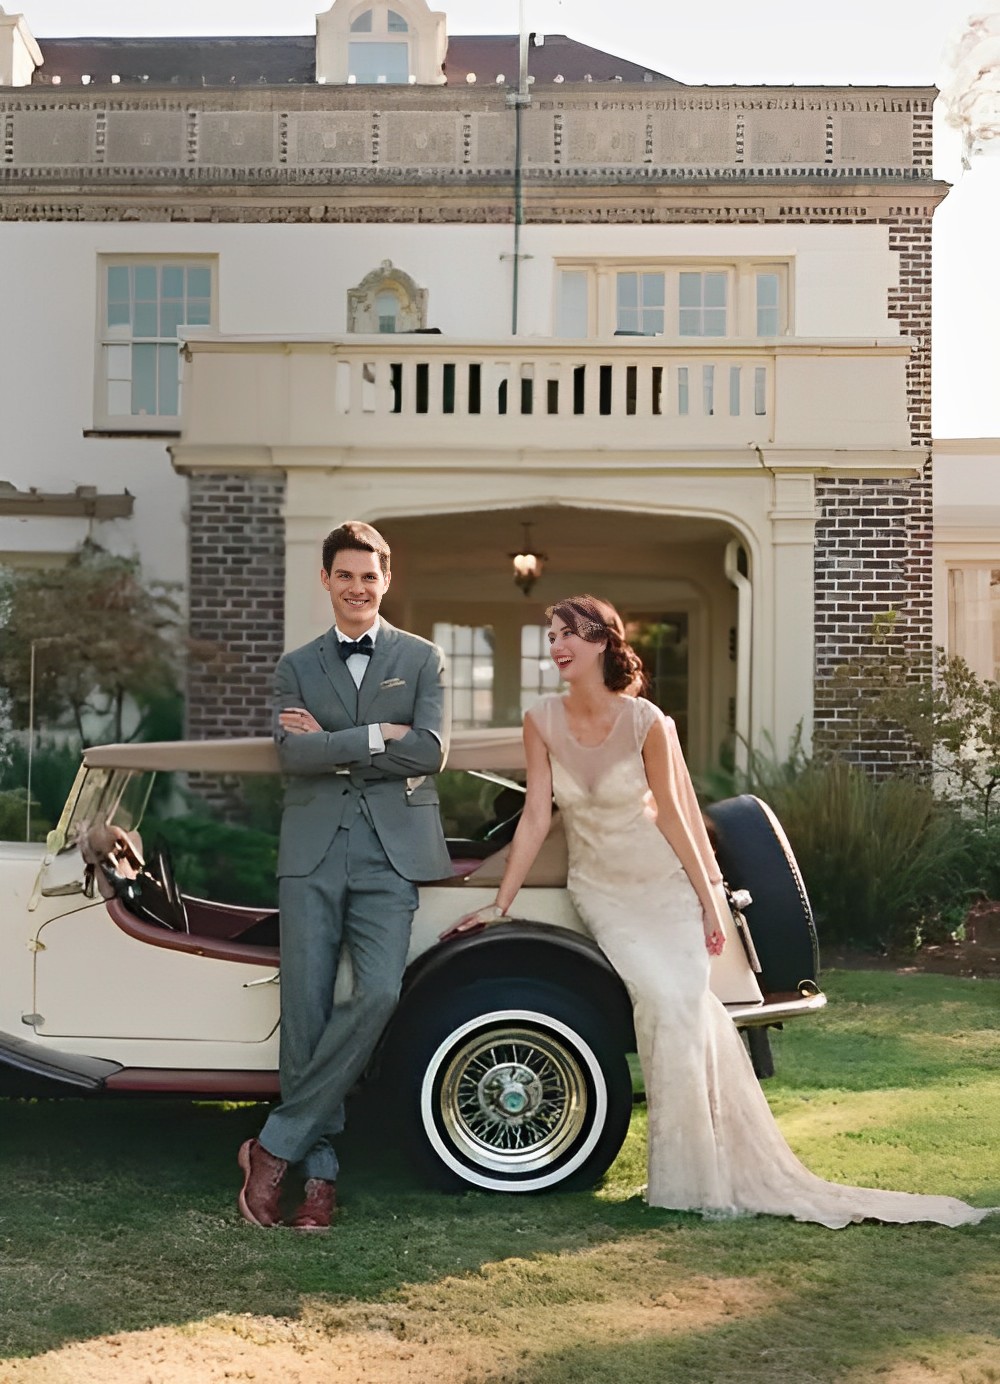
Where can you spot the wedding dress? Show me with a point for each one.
(713, 1144)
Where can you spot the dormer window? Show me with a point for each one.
(370, 42)
(372, 55)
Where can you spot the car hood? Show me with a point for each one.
(25, 852)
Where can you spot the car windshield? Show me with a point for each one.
(114, 796)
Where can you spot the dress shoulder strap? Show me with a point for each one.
(643, 717)
(542, 715)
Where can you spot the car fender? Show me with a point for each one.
(523, 951)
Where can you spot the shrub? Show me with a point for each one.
(216, 860)
(54, 764)
(13, 816)
(885, 863)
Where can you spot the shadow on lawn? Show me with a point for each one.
(119, 1216)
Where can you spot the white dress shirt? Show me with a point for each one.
(357, 666)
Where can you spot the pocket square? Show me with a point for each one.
(393, 682)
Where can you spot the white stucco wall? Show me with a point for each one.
(294, 280)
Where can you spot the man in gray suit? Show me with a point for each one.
(360, 722)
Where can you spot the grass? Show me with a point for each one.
(118, 1234)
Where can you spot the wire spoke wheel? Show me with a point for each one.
(514, 1098)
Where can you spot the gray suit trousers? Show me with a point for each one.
(353, 897)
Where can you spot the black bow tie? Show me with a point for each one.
(363, 646)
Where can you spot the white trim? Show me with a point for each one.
(500, 1184)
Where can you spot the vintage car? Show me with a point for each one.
(506, 1060)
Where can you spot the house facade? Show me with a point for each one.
(675, 339)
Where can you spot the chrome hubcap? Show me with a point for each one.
(513, 1098)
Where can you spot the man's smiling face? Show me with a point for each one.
(356, 584)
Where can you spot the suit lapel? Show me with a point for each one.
(337, 671)
(380, 661)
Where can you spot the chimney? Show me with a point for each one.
(19, 53)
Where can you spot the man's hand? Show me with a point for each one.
(297, 721)
(391, 731)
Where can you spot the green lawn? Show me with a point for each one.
(118, 1218)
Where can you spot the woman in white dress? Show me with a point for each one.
(643, 877)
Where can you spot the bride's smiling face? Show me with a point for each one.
(575, 657)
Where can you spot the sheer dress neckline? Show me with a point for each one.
(600, 743)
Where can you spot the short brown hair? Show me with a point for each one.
(597, 621)
(361, 538)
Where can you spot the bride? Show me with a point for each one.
(644, 879)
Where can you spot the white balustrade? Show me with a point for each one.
(548, 395)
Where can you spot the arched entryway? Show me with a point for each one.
(667, 574)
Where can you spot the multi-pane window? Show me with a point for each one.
(146, 308)
(701, 300)
(641, 302)
(539, 674)
(469, 653)
(742, 298)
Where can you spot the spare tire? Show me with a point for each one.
(754, 854)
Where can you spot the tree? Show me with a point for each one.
(103, 637)
(951, 717)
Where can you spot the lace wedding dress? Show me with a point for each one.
(713, 1143)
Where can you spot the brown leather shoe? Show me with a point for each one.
(318, 1207)
(262, 1175)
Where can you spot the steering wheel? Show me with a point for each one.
(161, 868)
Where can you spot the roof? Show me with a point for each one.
(291, 59)
(497, 749)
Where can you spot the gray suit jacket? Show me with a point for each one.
(327, 771)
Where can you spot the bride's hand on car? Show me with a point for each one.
(473, 922)
(715, 938)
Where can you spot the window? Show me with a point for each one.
(572, 316)
(386, 310)
(386, 300)
(539, 674)
(376, 55)
(640, 304)
(147, 308)
(701, 304)
(469, 652)
(974, 618)
(768, 304)
(738, 298)
(370, 63)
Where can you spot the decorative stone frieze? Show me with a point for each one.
(351, 135)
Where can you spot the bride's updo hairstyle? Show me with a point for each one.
(596, 621)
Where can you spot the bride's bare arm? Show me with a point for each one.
(665, 769)
(532, 830)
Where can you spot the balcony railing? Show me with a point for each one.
(422, 391)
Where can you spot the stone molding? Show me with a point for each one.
(604, 205)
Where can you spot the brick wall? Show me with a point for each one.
(236, 595)
(873, 538)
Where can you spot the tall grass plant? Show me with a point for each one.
(884, 862)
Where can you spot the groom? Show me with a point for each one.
(360, 720)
